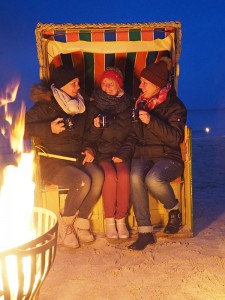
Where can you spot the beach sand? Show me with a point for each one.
(172, 269)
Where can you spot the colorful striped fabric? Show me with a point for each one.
(120, 34)
(91, 65)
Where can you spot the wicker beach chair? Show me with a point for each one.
(90, 48)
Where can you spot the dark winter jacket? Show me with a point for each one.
(107, 141)
(161, 138)
(38, 124)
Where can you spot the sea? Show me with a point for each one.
(206, 122)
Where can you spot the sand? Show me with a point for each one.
(172, 269)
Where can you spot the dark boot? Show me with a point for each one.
(144, 239)
(174, 222)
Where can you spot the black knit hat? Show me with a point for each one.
(158, 73)
(62, 75)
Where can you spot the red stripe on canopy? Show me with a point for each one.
(147, 34)
(122, 35)
(140, 63)
(57, 61)
(99, 67)
(72, 35)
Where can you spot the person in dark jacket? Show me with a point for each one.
(58, 120)
(154, 144)
(112, 106)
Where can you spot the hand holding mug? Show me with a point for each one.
(97, 122)
(68, 123)
(103, 121)
(144, 116)
(57, 126)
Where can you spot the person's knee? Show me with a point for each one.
(99, 177)
(135, 178)
(96, 174)
(84, 182)
(151, 180)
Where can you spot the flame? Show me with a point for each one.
(16, 203)
(16, 138)
(10, 94)
(17, 190)
(8, 97)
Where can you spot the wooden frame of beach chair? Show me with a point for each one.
(90, 48)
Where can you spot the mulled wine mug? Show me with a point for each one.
(68, 123)
(104, 121)
(134, 114)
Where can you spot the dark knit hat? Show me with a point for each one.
(158, 73)
(62, 75)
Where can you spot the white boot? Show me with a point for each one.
(122, 228)
(82, 227)
(111, 232)
(67, 234)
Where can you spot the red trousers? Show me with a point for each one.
(116, 189)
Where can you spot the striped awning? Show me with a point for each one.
(91, 50)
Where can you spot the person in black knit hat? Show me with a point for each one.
(154, 146)
(58, 120)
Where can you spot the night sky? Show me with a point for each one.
(202, 64)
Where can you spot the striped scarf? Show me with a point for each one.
(151, 103)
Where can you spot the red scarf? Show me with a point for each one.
(151, 103)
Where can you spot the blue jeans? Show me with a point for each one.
(153, 177)
(85, 187)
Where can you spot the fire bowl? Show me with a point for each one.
(23, 269)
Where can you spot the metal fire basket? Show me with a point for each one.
(31, 261)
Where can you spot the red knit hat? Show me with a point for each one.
(158, 73)
(113, 73)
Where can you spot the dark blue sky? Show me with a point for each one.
(202, 65)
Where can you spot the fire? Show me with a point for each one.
(10, 94)
(17, 190)
(16, 137)
(16, 203)
(6, 98)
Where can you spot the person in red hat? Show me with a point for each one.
(154, 145)
(58, 118)
(110, 123)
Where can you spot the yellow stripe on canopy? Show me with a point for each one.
(54, 48)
